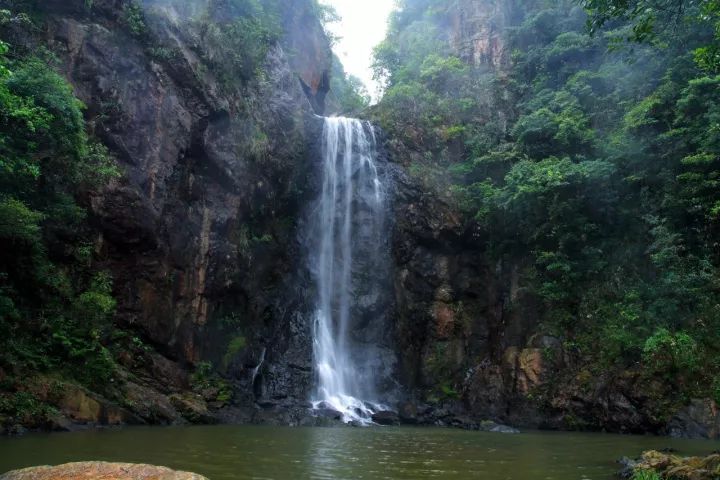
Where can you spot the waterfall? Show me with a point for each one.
(349, 224)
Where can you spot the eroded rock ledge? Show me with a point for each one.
(100, 470)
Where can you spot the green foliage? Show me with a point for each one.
(449, 392)
(602, 180)
(235, 346)
(205, 381)
(347, 92)
(54, 309)
(202, 376)
(645, 475)
(671, 352)
(648, 18)
(134, 18)
(544, 133)
(237, 37)
(19, 224)
(25, 407)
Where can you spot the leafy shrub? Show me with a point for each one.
(25, 407)
(671, 352)
(646, 475)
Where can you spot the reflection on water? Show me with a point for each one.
(232, 452)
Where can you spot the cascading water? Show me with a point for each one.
(349, 228)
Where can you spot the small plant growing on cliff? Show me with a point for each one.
(235, 346)
(449, 392)
(208, 384)
(162, 53)
(202, 375)
(135, 19)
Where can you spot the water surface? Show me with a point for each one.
(248, 452)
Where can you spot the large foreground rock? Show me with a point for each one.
(100, 470)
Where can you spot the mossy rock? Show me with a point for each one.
(680, 468)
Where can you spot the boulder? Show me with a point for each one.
(627, 469)
(490, 426)
(99, 471)
(150, 405)
(83, 407)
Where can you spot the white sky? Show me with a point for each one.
(362, 27)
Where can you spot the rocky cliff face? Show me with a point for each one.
(477, 31)
(199, 233)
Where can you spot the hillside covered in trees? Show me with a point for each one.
(581, 141)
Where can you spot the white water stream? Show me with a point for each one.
(348, 220)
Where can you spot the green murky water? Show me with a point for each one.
(242, 452)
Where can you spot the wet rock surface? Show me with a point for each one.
(100, 471)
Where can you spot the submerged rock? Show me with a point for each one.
(100, 470)
(468, 423)
(498, 428)
(627, 469)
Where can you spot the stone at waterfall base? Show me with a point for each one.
(386, 418)
(670, 466)
(100, 471)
